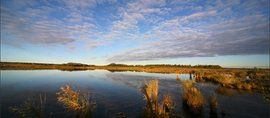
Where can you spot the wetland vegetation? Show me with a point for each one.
(158, 91)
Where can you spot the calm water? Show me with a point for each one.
(119, 92)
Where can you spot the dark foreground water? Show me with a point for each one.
(118, 93)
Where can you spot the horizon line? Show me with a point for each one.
(249, 67)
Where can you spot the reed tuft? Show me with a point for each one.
(192, 96)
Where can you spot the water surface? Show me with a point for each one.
(119, 92)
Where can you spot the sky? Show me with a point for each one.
(230, 33)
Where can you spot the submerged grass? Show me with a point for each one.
(33, 108)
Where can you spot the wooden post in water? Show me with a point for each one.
(177, 77)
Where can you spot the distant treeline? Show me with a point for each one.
(76, 64)
(168, 65)
(71, 64)
(27, 63)
(44, 64)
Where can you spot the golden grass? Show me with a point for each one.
(244, 85)
(187, 84)
(150, 92)
(230, 81)
(167, 102)
(166, 106)
(227, 81)
(75, 101)
(192, 96)
(221, 79)
(69, 98)
(153, 108)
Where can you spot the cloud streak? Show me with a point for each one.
(35, 25)
(247, 35)
(158, 29)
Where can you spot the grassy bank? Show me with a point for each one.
(43, 66)
(120, 67)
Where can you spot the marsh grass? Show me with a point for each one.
(230, 81)
(166, 106)
(75, 101)
(217, 78)
(192, 96)
(153, 108)
(34, 108)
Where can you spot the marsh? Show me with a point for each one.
(118, 94)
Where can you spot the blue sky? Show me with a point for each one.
(230, 33)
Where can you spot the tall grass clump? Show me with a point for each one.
(31, 108)
(75, 101)
(192, 96)
(166, 106)
(150, 92)
(153, 107)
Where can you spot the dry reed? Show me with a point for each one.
(153, 108)
(75, 101)
(192, 96)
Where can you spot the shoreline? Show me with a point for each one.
(138, 68)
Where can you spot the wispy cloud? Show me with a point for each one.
(35, 23)
(160, 29)
(245, 35)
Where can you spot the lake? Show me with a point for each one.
(117, 94)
